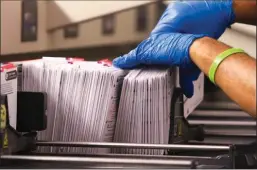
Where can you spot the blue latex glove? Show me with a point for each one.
(207, 17)
(164, 49)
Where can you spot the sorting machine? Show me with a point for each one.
(216, 135)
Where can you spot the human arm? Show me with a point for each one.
(245, 11)
(207, 17)
(236, 75)
(167, 46)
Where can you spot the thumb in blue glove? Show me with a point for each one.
(164, 49)
(187, 76)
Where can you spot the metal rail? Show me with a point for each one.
(97, 161)
(135, 146)
(230, 132)
(202, 160)
(220, 113)
(247, 123)
(124, 156)
(219, 106)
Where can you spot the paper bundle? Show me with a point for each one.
(82, 100)
(91, 102)
(144, 109)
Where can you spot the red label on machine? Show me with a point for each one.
(7, 66)
(105, 62)
(72, 59)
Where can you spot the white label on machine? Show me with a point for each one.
(9, 88)
(190, 104)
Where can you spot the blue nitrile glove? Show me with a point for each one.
(164, 49)
(209, 17)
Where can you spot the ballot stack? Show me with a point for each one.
(82, 100)
(94, 102)
(144, 109)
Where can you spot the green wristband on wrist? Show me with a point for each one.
(219, 59)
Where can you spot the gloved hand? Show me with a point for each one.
(209, 17)
(164, 49)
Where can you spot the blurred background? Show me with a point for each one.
(88, 29)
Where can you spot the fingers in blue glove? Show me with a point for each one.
(163, 49)
(127, 61)
(210, 17)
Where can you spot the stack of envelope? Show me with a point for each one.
(144, 109)
(82, 100)
(92, 102)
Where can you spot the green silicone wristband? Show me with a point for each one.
(219, 59)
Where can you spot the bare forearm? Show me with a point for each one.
(245, 11)
(236, 75)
